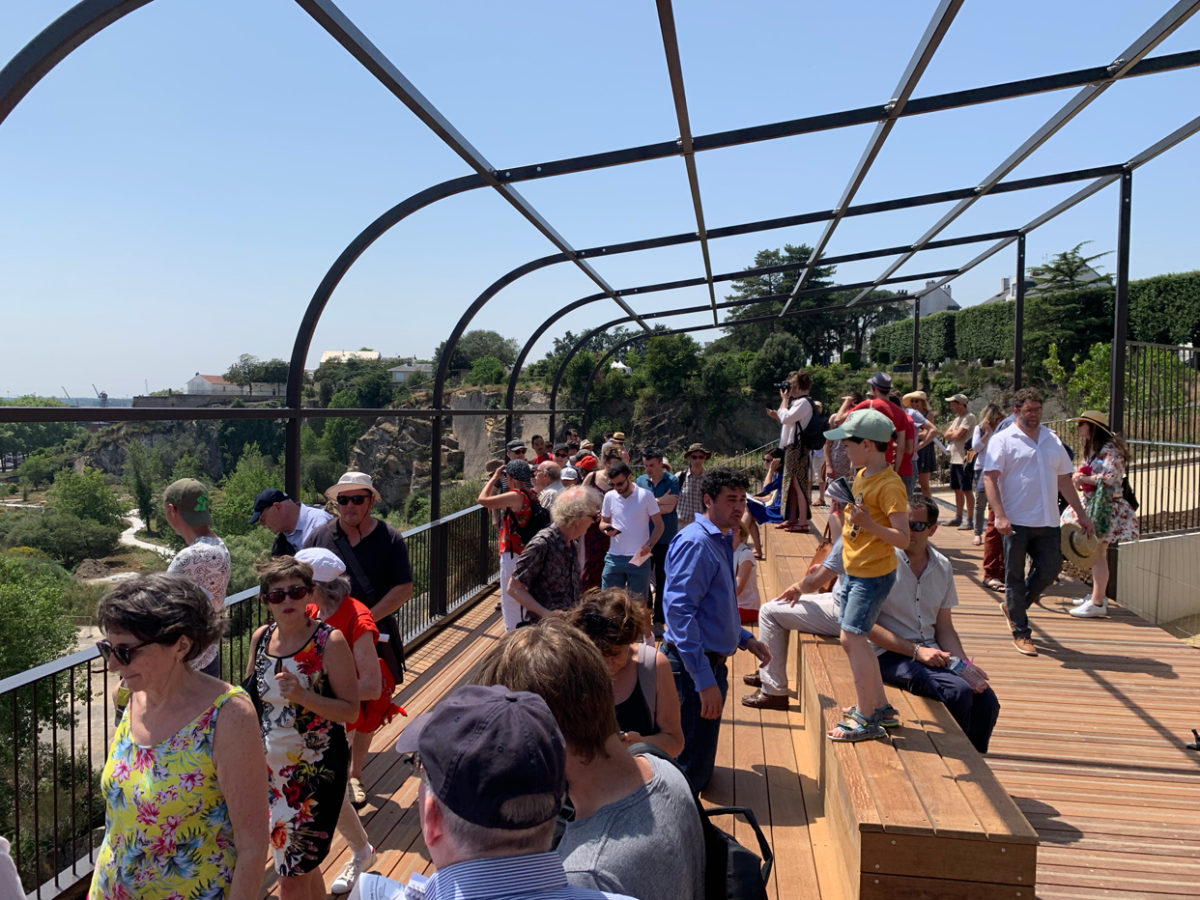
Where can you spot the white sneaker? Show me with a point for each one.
(1079, 601)
(344, 883)
(1088, 610)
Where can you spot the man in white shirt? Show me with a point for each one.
(631, 518)
(292, 522)
(1024, 471)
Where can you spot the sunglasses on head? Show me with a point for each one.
(121, 652)
(917, 526)
(295, 592)
(356, 499)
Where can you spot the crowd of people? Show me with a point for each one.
(573, 764)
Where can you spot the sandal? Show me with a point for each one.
(887, 716)
(857, 727)
(994, 583)
(797, 529)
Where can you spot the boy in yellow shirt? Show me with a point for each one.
(876, 523)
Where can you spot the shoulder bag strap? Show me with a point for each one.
(355, 567)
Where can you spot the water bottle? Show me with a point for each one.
(968, 672)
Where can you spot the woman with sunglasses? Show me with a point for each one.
(185, 783)
(307, 683)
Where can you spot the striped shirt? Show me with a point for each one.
(536, 876)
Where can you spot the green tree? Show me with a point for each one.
(856, 324)
(234, 434)
(84, 494)
(670, 362)
(64, 537)
(781, 353)
(475, 344)
(1070, 270)
(26, 437)
(30, 593)
(38, 468)
(341, 434)
(273, 371)
(252, 475)
(817, 334)
(140, 477)
(243, 371)
(486, 370)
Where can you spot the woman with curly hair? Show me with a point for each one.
(307, 685)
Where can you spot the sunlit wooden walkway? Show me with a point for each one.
(1089, 744)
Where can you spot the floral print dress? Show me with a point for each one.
(1105, 502)
(167, 830)
(307, 757)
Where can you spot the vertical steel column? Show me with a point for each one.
(916, 357)
(291, 457)
(1019, 316)
(1116, 376)
(435, 469)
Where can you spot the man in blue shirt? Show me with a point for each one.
(665, 488)
(702, 624)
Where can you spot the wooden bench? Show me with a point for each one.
(918, 815)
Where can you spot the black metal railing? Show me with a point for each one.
(58, 718)
(1164, 475)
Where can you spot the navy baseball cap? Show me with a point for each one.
(269, 497)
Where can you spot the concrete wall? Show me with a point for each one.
(1157, 577)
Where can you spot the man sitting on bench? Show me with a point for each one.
(914, 636)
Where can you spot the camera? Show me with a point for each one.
(782, 385)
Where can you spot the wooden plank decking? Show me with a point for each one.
(1089, 745)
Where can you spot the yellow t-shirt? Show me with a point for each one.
(883, 494)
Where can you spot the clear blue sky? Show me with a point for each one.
(173, 192)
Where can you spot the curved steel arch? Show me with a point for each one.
(756, 320)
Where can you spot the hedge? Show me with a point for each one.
(1165, 309)
(895, 339)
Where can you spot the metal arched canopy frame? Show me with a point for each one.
(91, 16)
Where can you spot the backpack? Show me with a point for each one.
(731, 871)
(812, 437)
(539, 518)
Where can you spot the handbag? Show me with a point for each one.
(390, 646)
(818, 557)
(731, 871)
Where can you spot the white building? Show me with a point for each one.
(938, 300)
(405, 371)
(216, 385)
(345, 355)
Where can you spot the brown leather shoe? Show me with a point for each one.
(752, 680)
(1024, 646)
(761, 700)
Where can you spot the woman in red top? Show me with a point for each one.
(339, 610)
(515, 505)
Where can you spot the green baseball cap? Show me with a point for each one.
(869, 424)
(190, 497)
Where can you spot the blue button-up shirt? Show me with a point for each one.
(700, 602)
(537, 876)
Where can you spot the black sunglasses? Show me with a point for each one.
(295, 592)
(122, 653)
(855, 440)
(356, 499)
(917, 526)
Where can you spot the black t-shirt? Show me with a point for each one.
(382, 555)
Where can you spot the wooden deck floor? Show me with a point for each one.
(1089, 744)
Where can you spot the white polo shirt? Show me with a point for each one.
(1028, 474)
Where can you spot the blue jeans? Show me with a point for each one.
(699, 734)
(1021, 591)
(975, 714)
(619, 573)
(862, 599)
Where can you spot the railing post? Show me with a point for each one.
(1019, 317)
(916, 357)
(483, 557)
(1116, 376)
(439, 574)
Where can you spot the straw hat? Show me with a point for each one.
(912, 396)
(352, 481)
(1078, 547)
(1093, 417)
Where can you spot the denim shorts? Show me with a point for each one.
(862, 598)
